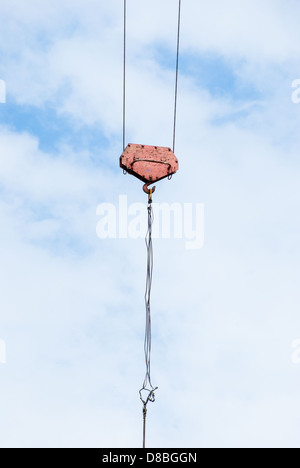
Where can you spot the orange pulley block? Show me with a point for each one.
(149, 163)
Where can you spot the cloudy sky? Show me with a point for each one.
(226, 316)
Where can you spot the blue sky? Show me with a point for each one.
(72, 310)
(50, 128)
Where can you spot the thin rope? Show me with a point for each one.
(124, 76)
(177, 70)
(176, 78)
(148, 389)
(144, 425)
(147, 344)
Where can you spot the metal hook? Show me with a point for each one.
(146, 190)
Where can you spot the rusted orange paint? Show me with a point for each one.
(149, 163)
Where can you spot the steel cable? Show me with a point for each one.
(124, 75)
(147, 391)
(177, 71)
(176, 74)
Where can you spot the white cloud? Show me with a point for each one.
(252, 30)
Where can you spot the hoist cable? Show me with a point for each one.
(176, 79)
(124, 76)
(147, 391)
(176, 74)
(147, 343)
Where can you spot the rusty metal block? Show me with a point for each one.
(149, 163)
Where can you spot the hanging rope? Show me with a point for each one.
(124, 76)
(147, 391)
(176, 75)
(176, 79)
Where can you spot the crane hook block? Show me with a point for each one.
(149, 163)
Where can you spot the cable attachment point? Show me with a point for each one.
(145, 401)
(149, 397)
(147, 190)
(144, 425)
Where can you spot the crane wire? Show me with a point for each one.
(148, 389)
(177, 72)
(124, 75)
(147, 343)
